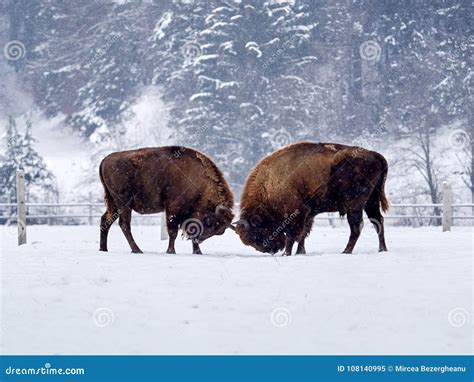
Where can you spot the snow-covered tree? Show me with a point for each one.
(244, 70)
(40, 183)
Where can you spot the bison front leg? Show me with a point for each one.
(355, 220)
(301, 249)
(288, 246)
(172, 233)
(196, 249)
(124, 223)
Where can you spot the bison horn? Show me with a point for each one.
(244, 222)
(232, 227)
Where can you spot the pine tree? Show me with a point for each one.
(247, 99)
(10, 161)
(40, 183)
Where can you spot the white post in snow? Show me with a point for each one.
(164, 230)
(447, 207)
(21, 206)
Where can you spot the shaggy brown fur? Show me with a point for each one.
(181, 181)
(288, 188)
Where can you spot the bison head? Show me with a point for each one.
(260, 233)
(212, 222)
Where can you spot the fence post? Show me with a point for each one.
(164, 230)
(21, 206)
(447, 207)
(90, 208)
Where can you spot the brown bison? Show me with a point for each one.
(184, 183)
(288, 188)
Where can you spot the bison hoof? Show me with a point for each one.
(384, 249)
(347, 251)
(301, 252)
(103, 249)
(137, 251)
(171, 251)
(197, 253)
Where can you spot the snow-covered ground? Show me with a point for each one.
(62, 296)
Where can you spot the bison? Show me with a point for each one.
(288, 188)
(181, 181)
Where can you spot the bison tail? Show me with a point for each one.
(384, 203)
(107, 196)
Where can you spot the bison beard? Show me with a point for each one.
(311, 178)
(184, 183)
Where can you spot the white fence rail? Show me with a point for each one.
(95, 210)
(21, 212)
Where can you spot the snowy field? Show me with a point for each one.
(62, 296)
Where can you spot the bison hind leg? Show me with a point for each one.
(372, 209)
(354, 218)
(106, 222)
